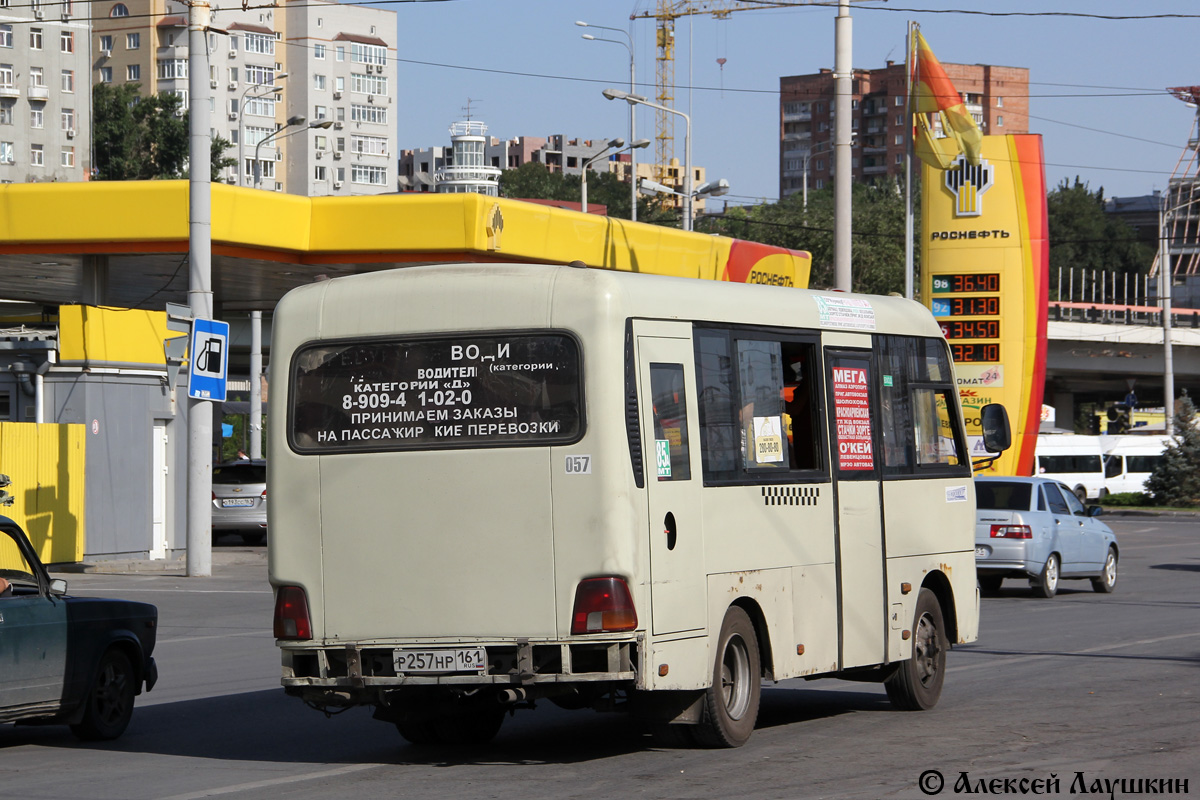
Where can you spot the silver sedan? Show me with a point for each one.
(239, 498)
(1036, 529)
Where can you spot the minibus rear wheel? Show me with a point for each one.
(731, 702)
(917, 684)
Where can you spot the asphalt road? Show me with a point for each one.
(1102, 685)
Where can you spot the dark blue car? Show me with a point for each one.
(68, 660)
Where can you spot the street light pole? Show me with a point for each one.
(621, 147)
(242, 119)
(632, 99)
(618, 143)
(279, 134)
(633, 175)
(1164, 294)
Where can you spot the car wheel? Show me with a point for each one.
(990, 584)
(1046, 584)
(731, 701)
(109, 704)
(917, 684)
(1108, 579)
(1081, 493)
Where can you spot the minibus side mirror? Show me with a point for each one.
(996, 434)
(997, 437)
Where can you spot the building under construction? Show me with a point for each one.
(1179, 215)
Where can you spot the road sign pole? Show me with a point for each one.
(200, 412)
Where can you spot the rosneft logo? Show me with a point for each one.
(968, 184)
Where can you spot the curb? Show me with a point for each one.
(167, 566)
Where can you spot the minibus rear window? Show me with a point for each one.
(423, 394)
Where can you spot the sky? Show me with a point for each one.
(1097, 86)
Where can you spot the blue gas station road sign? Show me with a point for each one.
(209, 359)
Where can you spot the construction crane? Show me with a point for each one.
(1179, 253)
(666, 13)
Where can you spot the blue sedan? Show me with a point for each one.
(1036, 529)
(68, 660)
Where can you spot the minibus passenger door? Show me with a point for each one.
(668, 417)
(862, 611)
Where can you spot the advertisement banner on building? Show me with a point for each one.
(985, 271)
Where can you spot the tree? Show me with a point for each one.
(533, 181)
(143, 138)
(1176, 479)
(1083, 236)
(877, 233)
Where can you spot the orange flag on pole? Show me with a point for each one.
(934, 94)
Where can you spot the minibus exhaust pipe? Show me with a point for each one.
(510, 696)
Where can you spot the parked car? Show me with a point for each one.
(239, 497)
(68, 660)
(1036, 528)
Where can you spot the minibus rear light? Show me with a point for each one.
(291, 614)
(603, 605)
(1012, 532)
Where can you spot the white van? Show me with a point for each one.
(1129, 460)
(1076, 460)
(497, 484)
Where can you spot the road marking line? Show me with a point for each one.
(244, 787)
(1039, 656)
(174, 590)
(263, 633)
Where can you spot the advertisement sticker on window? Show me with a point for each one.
(852, 412)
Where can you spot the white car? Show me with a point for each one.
(1036, 529)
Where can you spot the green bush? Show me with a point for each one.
(1176, 480)
(1128, 499)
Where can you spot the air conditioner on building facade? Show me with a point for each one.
(233, 53)
(320, 154)
(337, 126)
(233, 115)
(232, 85)
(70, 133)
(337, 155)
(212, 84)
(337, 184)
(39, 14)
(337, 95)
(370, 98)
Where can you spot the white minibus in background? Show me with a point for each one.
(1076, 460)
(498, 484)
(1129, 460)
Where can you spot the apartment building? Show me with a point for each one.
(997, 97)
(44, 92)
(304, 91)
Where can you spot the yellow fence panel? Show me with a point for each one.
(46, 463)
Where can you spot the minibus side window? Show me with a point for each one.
(672, 454)
(921, 429)
(758, 416)
(720, 441)
(760, 376)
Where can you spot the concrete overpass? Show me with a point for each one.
(1094, 350)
